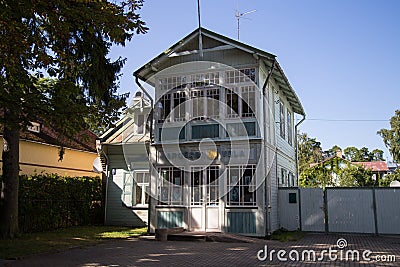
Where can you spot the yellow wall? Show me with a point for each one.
(36, 157)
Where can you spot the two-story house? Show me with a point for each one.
(224, 136)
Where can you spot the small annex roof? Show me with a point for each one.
(84, 140)
(375, 166)
(123, 132)
(179, 48)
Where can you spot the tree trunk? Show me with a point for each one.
(10, 182)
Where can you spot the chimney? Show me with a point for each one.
(339, 153)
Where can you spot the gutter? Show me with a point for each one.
(297, 148)
(268, 181)
(152, 105)
(101, 151)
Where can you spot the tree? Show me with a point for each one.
(309, 151)
(377, 155)
(391, 137)
(67, 41)
(336, 172)
(388, 178)
(351, 153)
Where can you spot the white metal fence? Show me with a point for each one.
(343, 210)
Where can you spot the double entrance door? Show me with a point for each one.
(204, 210)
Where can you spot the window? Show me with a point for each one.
(232, 101)
(205, 103)
(290, 127)
(207, 78)
(240, 129)
(205, 131)
(282, 119)
(241, 186)
(164, 107)
(245, 107)
(140, 124)
(142, 181)
(205, 181)
(197, 104)
(212, 103)
(171, 82)
(250, 74)
(283, 177)
(171, 185)
(292, 179)
(240, 76)
(179, 106)
(135, 188)
(248, 101)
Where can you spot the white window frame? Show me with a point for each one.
(238, 185)
(282, 119)
(290, 126)
(144, 187)
(172, 187)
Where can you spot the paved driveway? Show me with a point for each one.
(137, 252)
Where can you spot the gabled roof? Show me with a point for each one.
(84, 140)
(375, 166)
(189, 45)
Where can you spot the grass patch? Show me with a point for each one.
(33, 243)
(284, 235)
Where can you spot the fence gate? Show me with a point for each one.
(350, 210)
(312, 209)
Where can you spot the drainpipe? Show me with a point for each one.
(101, 151)
(297, 148)
(151, 102)
(151, 138)
(268, 181)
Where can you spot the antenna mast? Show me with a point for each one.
(238, 16)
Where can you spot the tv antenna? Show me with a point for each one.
(238, 16)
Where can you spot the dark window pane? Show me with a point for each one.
(205, 131)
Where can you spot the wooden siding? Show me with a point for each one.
(169, 219)
(241, 222)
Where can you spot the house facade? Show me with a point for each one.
(223, 136)
(39, 149)
(126, 164)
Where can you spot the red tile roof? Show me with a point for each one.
(375, 166)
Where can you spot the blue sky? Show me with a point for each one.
(342, 57)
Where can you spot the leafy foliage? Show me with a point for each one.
(309, 151)
(391, 137)
(363, 154)
(388, 178)
(48, 201)
(336, 172)
(69, 41)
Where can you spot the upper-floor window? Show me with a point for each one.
(207, 78)
(205, 131)
(246, 106)
(290, 127)
(179, 105)
(284, 177)
(140, 124)
(282, 119)
(248, 101)
(232, 101)
(164, 107)
(241, 76)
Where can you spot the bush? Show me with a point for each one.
(49, 201)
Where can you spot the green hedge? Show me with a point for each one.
(49, 201)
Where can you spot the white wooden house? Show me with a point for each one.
(223, 137)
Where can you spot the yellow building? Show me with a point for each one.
(39, 152)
